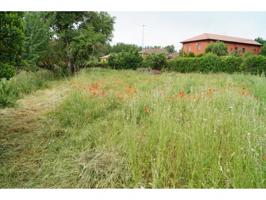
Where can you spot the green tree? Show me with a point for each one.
(11, 37)
(37, 36)
(77, 30)
(155, 61)
(170, 48)
(86, 45)
(218, 48)
(125, 60)
(122, 47)
(260, 40)
(263, 50)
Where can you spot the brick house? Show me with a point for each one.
(198, 44)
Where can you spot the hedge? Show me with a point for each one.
(214, 63)
(255, 64)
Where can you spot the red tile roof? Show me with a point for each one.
(209, 36)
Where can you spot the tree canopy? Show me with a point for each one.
(218, 48)
(260, 40)
(11, 37)
(81, 35)
(170, 48)
(122, 47)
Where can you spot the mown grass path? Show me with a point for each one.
(19, 128)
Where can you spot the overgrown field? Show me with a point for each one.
(132, 129)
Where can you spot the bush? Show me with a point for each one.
(263, 50)
(218, 48)
(8, 93)
(155, 61)
(125, 60)
(7, 71)
(210, 63)
(255, 64)
(213, 63)
(232, 64)
(184, 64)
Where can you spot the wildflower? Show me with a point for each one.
(210, 91)
(131, 90)
(244, 92)
(119, 95)
(181, 93)
(96, 90)
(146, 109)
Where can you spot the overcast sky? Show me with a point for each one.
(165, 28)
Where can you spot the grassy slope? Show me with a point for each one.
(131, 129)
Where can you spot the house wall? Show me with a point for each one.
(199, 47)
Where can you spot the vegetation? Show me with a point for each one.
(122, 47)
(80, 35)
(108, 128)
(12, 37)
(260, 40)
(263, 50)
(131, 129)
(213, 63)
(155, 61)
(52, 40)
(170, 48)
(37, 36)
(7, 71)
(125, 60)
(21, 84)
(218, 48)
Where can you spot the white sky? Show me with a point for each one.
(166, 28)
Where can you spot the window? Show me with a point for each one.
(236, 48)
(189, 49)
(243, 50)
(198, 46)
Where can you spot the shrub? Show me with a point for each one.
(218, 48)
(210, 63)
(232, 64)
(184, 64)
(8, 93)
(255, 64)
(7, 71)
(155, 61)
(206, 63)
(263, 50)
(125, 60)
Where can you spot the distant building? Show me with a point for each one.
(172, 55)
(198, 44)
(104, 59)
(148, 51)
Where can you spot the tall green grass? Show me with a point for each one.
(173, 131)
(129, 129)
(23, 83)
